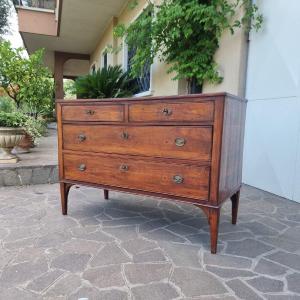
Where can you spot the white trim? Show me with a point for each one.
(143, 94)
(44, 10)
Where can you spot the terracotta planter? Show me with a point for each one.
(24, 146)
(9, 138)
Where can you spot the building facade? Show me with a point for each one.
(76, 33)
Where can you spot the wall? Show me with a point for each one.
(272, 140)
(231, 56)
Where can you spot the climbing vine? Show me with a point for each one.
(186, 34)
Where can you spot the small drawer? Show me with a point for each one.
(153, 176)
(100, 113)
(172, 112)
(184, 142)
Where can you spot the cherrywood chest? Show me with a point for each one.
(184, 148)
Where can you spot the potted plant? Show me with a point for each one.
(11, 134)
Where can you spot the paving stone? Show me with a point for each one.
(242, 291)
(182, 255)
(64, 286)
(247, 248)
(195, 283)
(229, 272)
(72, 262)
(119, 214)
(146, 273)
(235, 236)
(227, 261)
(20, 273)
(182, 229)
(52, 239)
(81, 246)
(94, 294)
(41, 175)
(98, 236)
(293, 281)
(199, 238)
(122, 233)
(108, 255)
(152, 225)
(197, 222)
(125, 221)
(282, 297)
(44, 281)
(54, 177)
(266, 285)
(138, 245)
(288, 259)
(105, 277)
(258, 229)
(163, 235)
(269, 268)
(16, 294)
(150, 256)
(154, 291)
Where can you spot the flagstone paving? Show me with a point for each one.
(134, 247)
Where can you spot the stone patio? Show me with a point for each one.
(134, 247)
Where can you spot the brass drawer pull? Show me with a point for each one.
(81, 137)
(124, 168)
(167, 111)
(178, 179)
(90, 112)
(82, 167)
(180, 142)
(125, 135)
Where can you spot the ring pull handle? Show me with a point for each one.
(180, 142)
(167, 112)
(81, 137)
(178, 179)
(124, 168)
(90, 112)
(82, 167)
(125, 135)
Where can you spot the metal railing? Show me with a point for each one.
(42, 4)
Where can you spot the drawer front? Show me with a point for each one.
(165, 178)
(172, 112)
(192, 143)
(101, 113)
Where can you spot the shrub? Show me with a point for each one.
(105, 83)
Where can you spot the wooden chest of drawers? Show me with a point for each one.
(185, 148)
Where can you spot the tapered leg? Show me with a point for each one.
(106, 194)
(214, 217)
(235, 199)
(64, 192)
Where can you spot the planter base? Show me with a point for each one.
(6, 157)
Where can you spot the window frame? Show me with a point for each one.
(125, 60)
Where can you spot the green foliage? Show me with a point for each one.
(12, 119)
(105, 83)
(26, 80)
(4, 14)
(35, 128)
(6, 104)
(185, 34)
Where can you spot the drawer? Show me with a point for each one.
(102, 113)
(172, 112)
(190, 142)
(152, 176)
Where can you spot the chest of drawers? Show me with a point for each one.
(184, 148)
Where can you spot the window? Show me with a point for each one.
(143, 82)
(104, 60)
(93, 69)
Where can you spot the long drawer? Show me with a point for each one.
(99, 113)
(152, 176)
(172, 112)
(192, 143)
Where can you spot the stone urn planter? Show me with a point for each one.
(9, 138)
(25, 145)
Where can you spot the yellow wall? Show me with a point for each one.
(231, 57)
